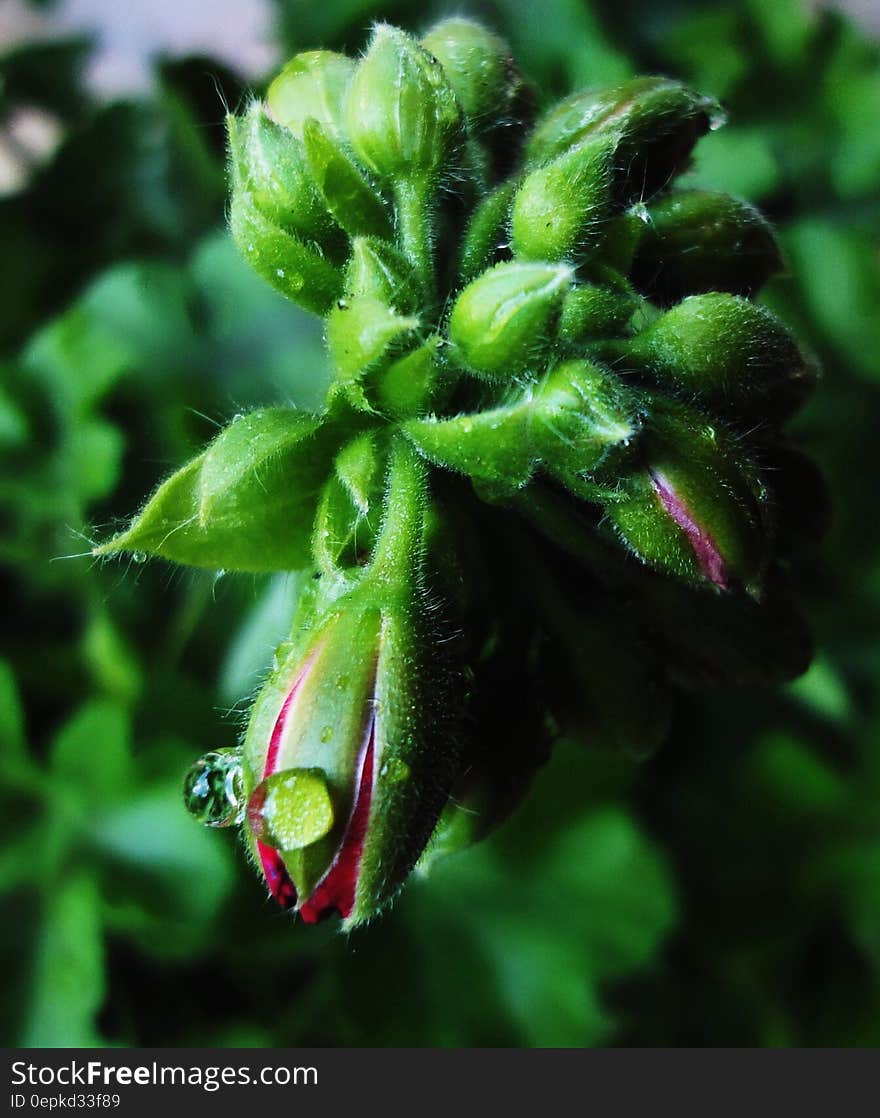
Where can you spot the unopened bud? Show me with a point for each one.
(656, 123)
(691, 507)
(380, 271)
(599, 309)
(561, 206)
(726, 350)
(313, 86)
(269, 166)
(499, 322)
(478, 65)
(402, 114)
(700, 241)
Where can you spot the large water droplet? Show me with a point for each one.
(212, 789)
(291, 809)
(138, 557)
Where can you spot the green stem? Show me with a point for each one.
(414, 227)
(399, 551)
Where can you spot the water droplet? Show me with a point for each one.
(138, 557)
(279, 272)
(717, 119)
(291, 809)
(212, 789)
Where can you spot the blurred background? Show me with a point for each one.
(724, 892)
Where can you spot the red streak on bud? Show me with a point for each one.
(708, 556)
(277, 878)
(335, 892)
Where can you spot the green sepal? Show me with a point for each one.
(245, 504)
(487, 231)
(350, 507)
(269, 165)
(656, 123)
(493, 446)
(312, 86)
(360, 332)
(560, 207)
(380, 271)
(698, 241)
(402, 115)
(724, 349)
(567, 422)
(597, 309)
(499, 322)
(297, 269)
(409, 385)
(354, 203)
(580, 412)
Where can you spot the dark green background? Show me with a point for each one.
(725, 892)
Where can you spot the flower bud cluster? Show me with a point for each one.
(549, 485)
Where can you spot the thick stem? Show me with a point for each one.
(399, 552)
(413, 200)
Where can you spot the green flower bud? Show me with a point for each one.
(347, 194)
(297, 269)
(499, 322)
(700, 241)
(348, 756)
(378, 270)
(692, 507)
(234, 507)
(561, 206)
(269, 166)
(402, 114)
(313, 85)
(478, 65)
(726, 350)
(360, 331)
(656, 123)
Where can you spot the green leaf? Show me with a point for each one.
(68, 983)
(91, 755)
(245, 504)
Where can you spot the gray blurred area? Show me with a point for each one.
(129, 33)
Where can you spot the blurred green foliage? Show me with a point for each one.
(725, 892)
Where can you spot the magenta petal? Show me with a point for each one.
(708, 556)
(336, 891)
